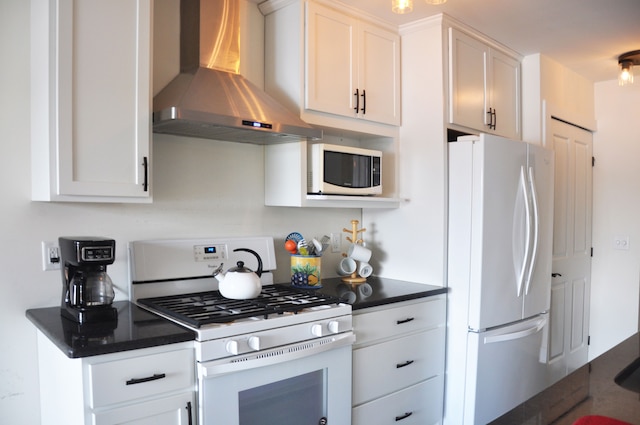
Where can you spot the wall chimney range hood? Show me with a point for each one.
(209, 99)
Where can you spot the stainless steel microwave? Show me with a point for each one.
(344, 170)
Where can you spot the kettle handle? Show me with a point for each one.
(259, 271)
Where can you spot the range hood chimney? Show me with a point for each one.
(209, 99)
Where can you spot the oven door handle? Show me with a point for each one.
(275, 355)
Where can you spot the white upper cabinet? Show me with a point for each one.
(352, 67)
(332, 66)
(484, 86)
(91, 100)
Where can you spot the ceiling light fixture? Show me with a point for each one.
(626, 62)
(435, 1)
(402, 6)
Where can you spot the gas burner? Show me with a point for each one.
(203, 308)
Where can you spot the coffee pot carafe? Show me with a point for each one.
(87, 290)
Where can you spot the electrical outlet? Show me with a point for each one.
(621, 242)
(336, 242)
(50, 256)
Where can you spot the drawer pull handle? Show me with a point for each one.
(189, 415)
(407, 363)
(405, 416)
(155, 377)
(407, 320)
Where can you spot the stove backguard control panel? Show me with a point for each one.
(156, 260)
(210, 252)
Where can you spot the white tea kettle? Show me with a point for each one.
(240, 282)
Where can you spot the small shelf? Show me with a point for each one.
(352, 201)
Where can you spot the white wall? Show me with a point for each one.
(616, 209)
(201, 188)
(414, 235)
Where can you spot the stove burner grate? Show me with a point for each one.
(202, 308)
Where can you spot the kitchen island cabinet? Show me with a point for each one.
(91, 100)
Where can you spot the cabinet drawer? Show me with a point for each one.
(420, 404)
(389, 366)
(394, 321)
(172, 410)
(136, 377)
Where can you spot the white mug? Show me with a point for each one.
(365, 269)
(347, 266)
(359, 253)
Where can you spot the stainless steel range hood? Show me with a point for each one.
(209, 99)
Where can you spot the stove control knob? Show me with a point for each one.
(334, 326)
(316, 330)
(232, 347)
(254, 343)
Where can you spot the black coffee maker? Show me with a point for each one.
(87, 290)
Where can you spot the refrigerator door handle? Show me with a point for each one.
(510, 336)
(536, 228)
(523, 269)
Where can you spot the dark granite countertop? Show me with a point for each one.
(377, 291)
(135, 329)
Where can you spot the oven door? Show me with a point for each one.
(301, 384)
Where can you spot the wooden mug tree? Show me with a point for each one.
(354, 278)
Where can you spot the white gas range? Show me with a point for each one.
(282, 342)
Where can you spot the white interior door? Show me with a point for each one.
(571, 265)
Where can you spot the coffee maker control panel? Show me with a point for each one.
(97, 253)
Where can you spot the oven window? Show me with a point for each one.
(299, 400)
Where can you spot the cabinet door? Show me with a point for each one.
(174, 410)
(329, 63)
(468, 103)
(379, 75)
(92, 103)
(504, 85)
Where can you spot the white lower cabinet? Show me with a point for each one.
(172, 410)
(145, 386)
(398, 363)
(415, 405)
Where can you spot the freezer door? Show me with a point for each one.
(498, 232)
(505, 367)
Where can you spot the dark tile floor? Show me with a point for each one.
(590, 390)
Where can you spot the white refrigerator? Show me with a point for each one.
(500, 219)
